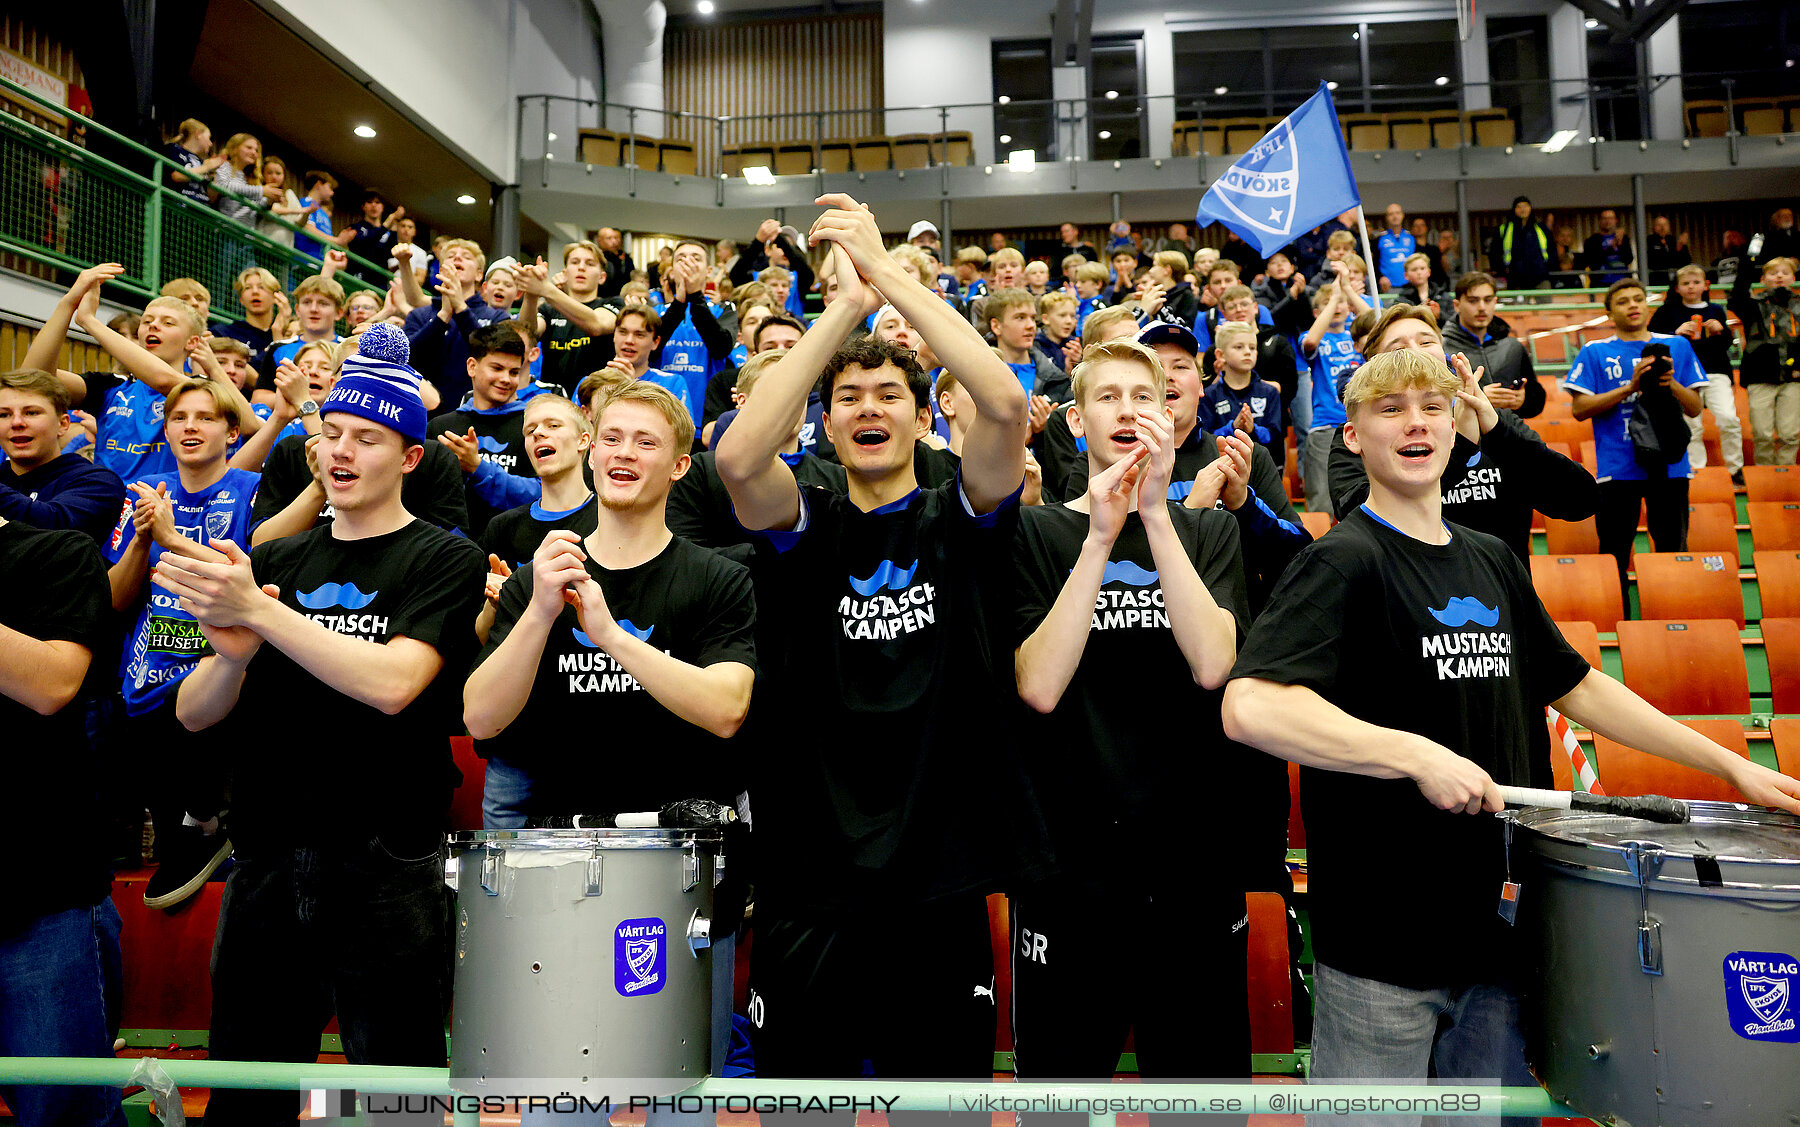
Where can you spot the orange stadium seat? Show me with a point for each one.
(1772, 483)
(1571, 537)
(1778, 579)
(1781, 646)
(1712, 529)
(1695, 666)
(1582, 588)
(1786, 730)
(1562, 430)
(1711, 484)
(1774, 524)
(1689, 585)
(1625, 770)
(1584, 638)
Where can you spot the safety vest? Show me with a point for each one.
(1506, 238)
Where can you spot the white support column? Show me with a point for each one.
(1663, 52)
(632, 38)
(1070, 82)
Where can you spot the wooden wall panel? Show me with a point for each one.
(20, 36)
(795, 66)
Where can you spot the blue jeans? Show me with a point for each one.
(60, 992)
(504, 796)
(360, 930)
(1365, 1029)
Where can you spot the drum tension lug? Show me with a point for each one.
(690, 868)
(699, 933)
(490, 872)
(593, 873)
(1645, 862)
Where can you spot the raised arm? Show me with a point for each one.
(993, 458)
(42, 676)
(156, 373)
(762, 487)
(46, 346)
(498, 688)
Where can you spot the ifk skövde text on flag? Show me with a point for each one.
(1292, 180)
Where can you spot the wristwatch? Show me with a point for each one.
(308, 408)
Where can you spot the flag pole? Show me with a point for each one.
(1371, 278)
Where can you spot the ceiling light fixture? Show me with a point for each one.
(1331, 86)
(549, 136)
(1022, 160)
(1221, 90)
(759, 175)
(704, 7)
(1559, 140)
(1106, 134)
(1441, 80)
(465, 199)
(364, 131)
(1592, 25)
(1356, 35)
(1006, 138)
(1003, 99)
(1111, 94)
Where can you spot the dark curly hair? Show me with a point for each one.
(868, 353)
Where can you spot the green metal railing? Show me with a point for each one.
(65, 207)
(1103, 1101)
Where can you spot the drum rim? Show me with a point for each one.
(1539, 824)
(601, 837)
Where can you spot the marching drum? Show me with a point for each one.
(1668, 961)
(584, 963)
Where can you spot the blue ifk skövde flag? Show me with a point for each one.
(1292, 180)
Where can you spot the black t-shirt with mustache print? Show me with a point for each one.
(1450, 642)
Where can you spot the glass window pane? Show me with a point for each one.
(1021, 77)
(1115, 125)
(1411, 57)
(1302, 57)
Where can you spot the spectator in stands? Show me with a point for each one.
(39, 484)
(315, 210)
(374, 235)
(500, 285)
(773, 333)
(1771, 364)
(1566, 261)
(1072, 244)
(1500, 470)
(1242, 255)
(362, 307)
(1008, 267)
(1012, 319)
(1781, 240)
(318, 304)
(1428, 246)
(60, 964)
(284, 204)
(1124, 276)
(1331, 355)
(1240, 399)
(1178, 238)
(969, 265)
(754, 256)
(1606, 255)
(239, 181)
(577, 328)
(1419, 288)
(1057, 339)
(1667, 252)
(1392, 248)
(1520, 251)
(1422, 961)
(997, 242)
(615, 264)
(1338, 248)
(265, 320)
(1471, 330)
(1607, 382)
(405, 231)
(1450, 249)
(1282, 291)
(694, 343)
(197, 297)
(440, 332)
(486, 431)
(370, 620)
(1037, 277)
(192, 150)
(1686, 311)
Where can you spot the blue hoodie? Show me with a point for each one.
(504, 479)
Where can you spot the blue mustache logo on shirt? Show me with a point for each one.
(629, 627)
(490, 444)
(1462, 610)
(888, 575)
(1124, 571)
(335, 595)
(1474, 460)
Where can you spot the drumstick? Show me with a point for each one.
(1648, 807)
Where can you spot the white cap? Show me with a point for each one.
(920, 228)
(507, 263)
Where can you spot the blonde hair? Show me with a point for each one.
(1128, 350)
(753, 369)
(1793, 266)
(1400, 370)
(255, 273)
(1173, 261)
(915, 260)
(1001, 302)
(185, 288)
(1054, 298)
(587, 245)
(946, 383)
(252, 174)
(188, 313)
(1380, 323)
(1092, 272)
(1239, 292)
(1412, 258)
(1007, 256)
(598, 385)
(189, 127)
(1101, 318)
(643, 391)
(1231, 330)
(469, 245)
(320, 284)
(1691, 270)
(563, 402)
(1354, 263)
(223, 404)
(774, 274)
(1340, 239)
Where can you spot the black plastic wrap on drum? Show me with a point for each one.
(1714, 1038)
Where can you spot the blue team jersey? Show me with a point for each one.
(1220, 404)
(678, 386)
(319, 221)
(1392, 249)
(165, 643)
(1335, 357)
(1603, 365)
(129, 437)
(1088, 305)
(685, 355)
(1203, 323)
